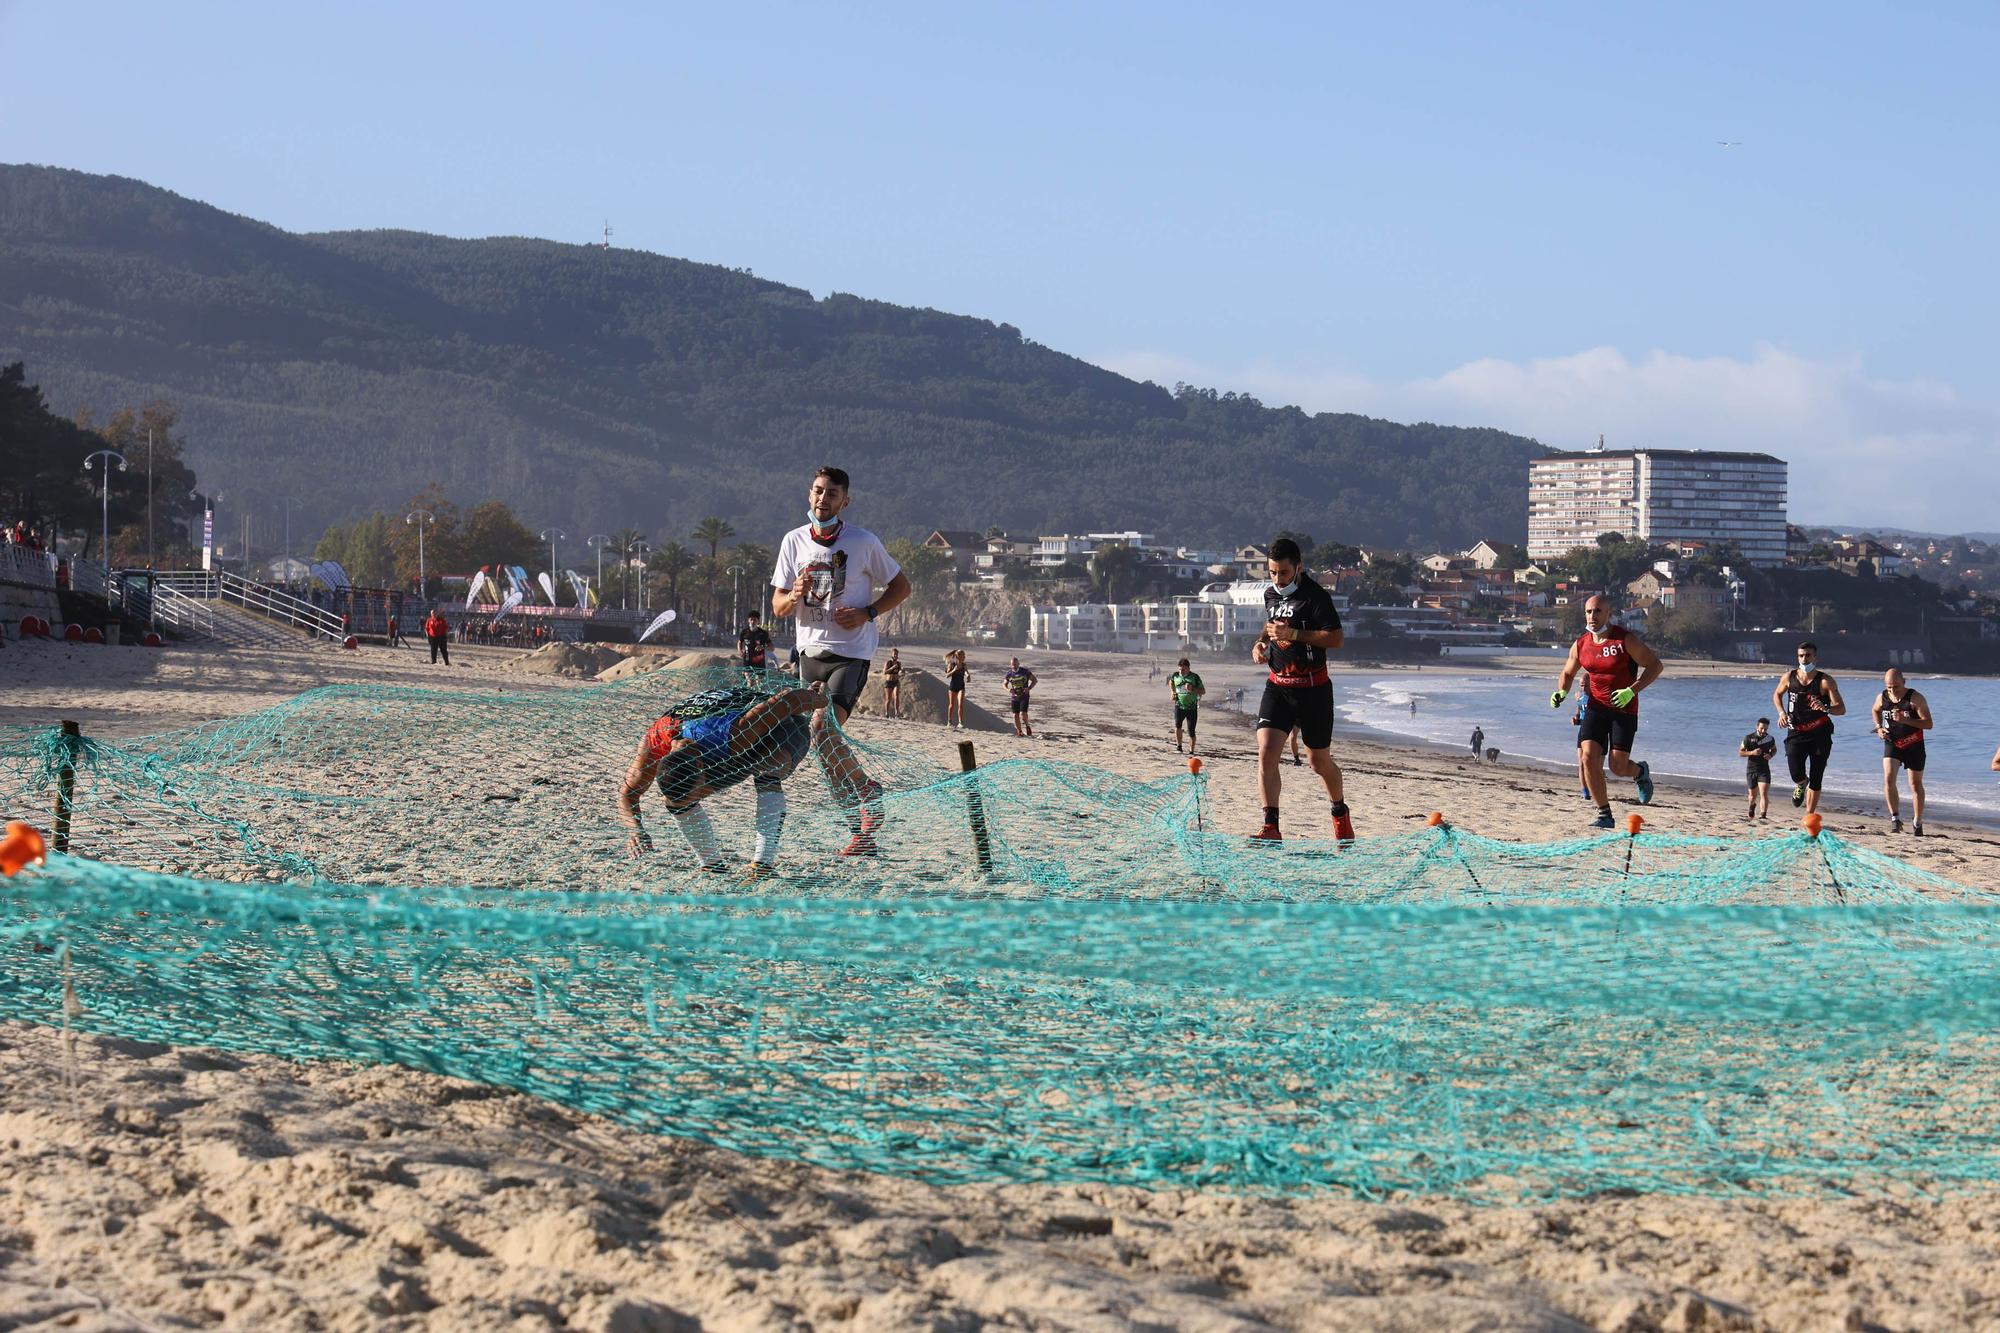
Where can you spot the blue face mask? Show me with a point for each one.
(1287, 590)
(821, 528)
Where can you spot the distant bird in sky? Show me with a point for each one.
(1729, 143)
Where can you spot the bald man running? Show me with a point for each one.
(1902, 716)
(1617, 667)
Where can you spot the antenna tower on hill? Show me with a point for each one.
(605, 244)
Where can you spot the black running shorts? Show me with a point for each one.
(1613, 731)
(1186, 715)
(1909, 756)
(1307, 707)
(844, 677)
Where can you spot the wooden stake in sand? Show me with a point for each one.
(72, 737)
(975, 810)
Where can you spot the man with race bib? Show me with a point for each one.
(1617, 667)
(1807, 701)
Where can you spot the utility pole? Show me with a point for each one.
(150, 557)
(642, 550)
(290, 504)
(549, 535)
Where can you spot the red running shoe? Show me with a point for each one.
(1343, 828)
(861, 844)
(1269, 833)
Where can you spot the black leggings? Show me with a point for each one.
(1807, 756)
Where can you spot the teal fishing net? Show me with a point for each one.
(1046, 972)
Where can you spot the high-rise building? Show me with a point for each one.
(1657, 496)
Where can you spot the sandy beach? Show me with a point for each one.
(153, 1187)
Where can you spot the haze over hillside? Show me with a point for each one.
(594, 388)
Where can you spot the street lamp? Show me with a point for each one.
(105, 537)
(290, 504)
(735, 596)
(428, 518)
(600, 541)
(549, 535)
(642, 550)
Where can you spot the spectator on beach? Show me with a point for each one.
(1020, 683)
(955, 674)
(1478, 742)
(892, 685)
(753, 644)
(396, 631)
(437, 632)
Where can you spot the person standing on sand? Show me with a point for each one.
(437, 633)
(1301, 625)
(1478, 741)
(753, 646)
(1807, 700)
(955, 672)
(1020, 683)
(826, 575)
(1757, 748)
(892, 685)
(1617, 667)
(396, 639)
(1186, 689)
(1902, 716)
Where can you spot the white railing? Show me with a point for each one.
(18, 564)
(271, 603)
(182, 613)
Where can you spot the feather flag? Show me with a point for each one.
(513, 600)
(548, 586)
(660, 621)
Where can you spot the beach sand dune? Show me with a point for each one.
(145, 1186)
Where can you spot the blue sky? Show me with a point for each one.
(1481, 214)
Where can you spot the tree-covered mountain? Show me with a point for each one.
(596, 388)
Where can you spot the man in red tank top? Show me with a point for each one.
(1617, 666)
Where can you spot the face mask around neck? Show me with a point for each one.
(825, 529)
(1286, 590)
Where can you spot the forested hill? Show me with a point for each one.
(596, 388)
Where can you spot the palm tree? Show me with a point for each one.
(671, 561)
(714, 531)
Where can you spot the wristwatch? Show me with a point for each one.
(871, 611)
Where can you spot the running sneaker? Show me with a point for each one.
(1269, 833)
(1799, 794)
(1343, 828)
(1297, 762)
(1896, 824)
(1917, 829)
(756, 871)
(1604, 820)
(1644, 782)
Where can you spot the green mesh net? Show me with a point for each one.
(1046, 971)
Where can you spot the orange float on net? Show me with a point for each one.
(1813, 824)
(1633, 823)
(1194, 765)
(22, 845)
(1433, 819)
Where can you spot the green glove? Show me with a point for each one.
(1624, 698)
(1556, 698)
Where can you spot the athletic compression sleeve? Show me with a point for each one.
(700, 835)
(770, 822)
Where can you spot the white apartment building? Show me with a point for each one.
(1658, 495)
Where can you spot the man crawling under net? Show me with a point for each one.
(716, 739)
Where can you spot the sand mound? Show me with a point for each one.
(923, 701)
(572, 661)
(638, 664)
(695, 661)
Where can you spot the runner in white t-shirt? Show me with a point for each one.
(826, 577)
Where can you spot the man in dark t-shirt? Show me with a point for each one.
(1757, 749)
(1300, 625)
(754, 645)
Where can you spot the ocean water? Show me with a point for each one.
(1689, 727)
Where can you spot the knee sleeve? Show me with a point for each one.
(770, 819)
